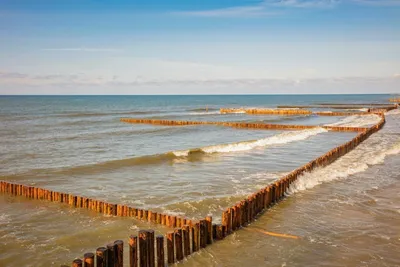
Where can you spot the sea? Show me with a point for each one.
(345, 214)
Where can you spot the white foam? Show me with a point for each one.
(205, 113)
(393, 112)
(359, 160)
(181, 153)
(357, 121)
(283, 138)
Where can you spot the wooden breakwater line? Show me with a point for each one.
(98, 206)
(188, 236)
(266, 111)
(247, 210)
(305, 112)
(395, 100)
(243, 125)
(337, 106)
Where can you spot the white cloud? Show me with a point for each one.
(303, 3)
(238, 11)
(274, 7)
(263, 8)
(83, 49)
(378, 2)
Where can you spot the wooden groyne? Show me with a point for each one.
(266, 111)
(244, 125)
(336, 106)
(144, 249)
(395, 100)
(102, 207)
(301, 110)
(245, 211)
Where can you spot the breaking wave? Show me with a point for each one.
(357, 121)
(279, 139)
(359, 160)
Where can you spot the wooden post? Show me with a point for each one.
(119, 253)
(203, 233)
(209, 230)
(101, 254)
(178, 244)
(151, 248)
(77, 263)
(110, 255)
(143, 248)
(214, 231)
(88, 258)
(219, 235)
(170, 247)
(133, 251)
(186, 240)
(196, 237)
(160, 251)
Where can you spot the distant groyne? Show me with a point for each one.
(263, 126)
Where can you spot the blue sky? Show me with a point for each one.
(199, 47)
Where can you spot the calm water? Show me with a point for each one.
(346, 214)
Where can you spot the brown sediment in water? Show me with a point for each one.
(189, 236)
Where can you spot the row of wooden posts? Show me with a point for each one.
(266, 111)
(339, 106)
(148, 250)
(395, 99)
(302, 111)
(92, 204)
(248, 209)
(243, 125)
(189, 236)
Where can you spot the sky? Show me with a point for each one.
(199, 47)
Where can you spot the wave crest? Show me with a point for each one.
(279, 139)
(357, 121)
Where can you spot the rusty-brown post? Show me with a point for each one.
(77, 263)
(88, 259)
(170, 247)
(133, 251)
(220, 234)
(110, 255)
(101, 257)
(186, 240)
(203, 233)
(143, 248)
(150, 248)
(196, 236)
(160, 251)
(209, 230)
(119, 253)
(178, 244)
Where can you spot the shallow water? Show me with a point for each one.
(78, 145)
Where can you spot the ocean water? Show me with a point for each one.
(77, 144)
